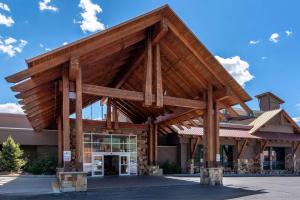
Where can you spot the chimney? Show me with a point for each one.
(268, 101)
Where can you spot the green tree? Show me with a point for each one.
(11, 156)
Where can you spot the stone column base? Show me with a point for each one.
(72, 181)
(211, 176)
(153, 170)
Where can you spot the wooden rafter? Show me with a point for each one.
(241, 149)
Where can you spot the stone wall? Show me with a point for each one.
(245, 166)
(142, 149)
(72, 181)
(211, 176)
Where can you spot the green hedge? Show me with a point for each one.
(42, 165)
(170, 168)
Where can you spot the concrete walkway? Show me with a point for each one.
(17, 185)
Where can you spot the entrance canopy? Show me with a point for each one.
(117, 64)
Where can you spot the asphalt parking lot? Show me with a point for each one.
(178, 188)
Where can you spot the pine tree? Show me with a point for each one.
(11, 156)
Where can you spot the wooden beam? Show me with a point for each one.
(148, 72)
(59, 141)
(73, 69)
(160, 31)
(20, 76)
(116, 117)
(194, 52)
(155, 144)
(38, 81)
(75, 66)
(195, 148)
(158, 78)
(296, 146)
(150, 142)
(222, 94)
(139, 96)
(66, 111)
(240, 151)
(108, 114)
(105, 38)
(263, 145)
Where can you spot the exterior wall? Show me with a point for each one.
(29, 137)
(267, 103)
(167, 153)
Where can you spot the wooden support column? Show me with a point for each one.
(108, 114)
(66, 113)
(78, 108)
(116, 117)
(150, 142)
(217, 132)
(148, 72)
(158, 78)
(155, 144)
(59, 141)
(209, 129)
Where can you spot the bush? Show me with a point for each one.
(170, 168)
(42, 165)
(11, 156)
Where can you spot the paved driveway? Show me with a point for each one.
(25, 185)
(242, 188)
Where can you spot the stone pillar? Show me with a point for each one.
(211, 176)
(261, 156)
(154, 170)
(72, 181)
(191, 166)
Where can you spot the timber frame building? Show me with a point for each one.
(153, 70)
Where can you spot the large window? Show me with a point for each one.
(110, 143)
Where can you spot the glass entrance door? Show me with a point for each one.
(97, 165)
(124, 165)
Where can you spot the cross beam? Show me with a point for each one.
(139, 96)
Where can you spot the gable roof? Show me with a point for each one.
(265, 117)
(186, 61)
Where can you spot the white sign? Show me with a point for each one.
(218, 157)
(67, 156)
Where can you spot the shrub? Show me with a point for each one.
(11, 156)
(42, 165)
(170, 168)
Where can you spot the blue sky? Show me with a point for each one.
(258, 41)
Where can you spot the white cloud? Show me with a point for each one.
(44, 5)
(11, 108)
(298, 106)
(296, 119)
(41, 45)
(254, 42)
(65, 43)
(4, 6)
(90, 21)
(288, 33)
(7, 21)
(11, 46)
(274, 37)
(47, 49)
(263, 57)
(238, 68)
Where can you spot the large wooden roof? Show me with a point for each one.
(106, 57)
